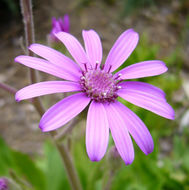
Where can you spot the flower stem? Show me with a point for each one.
(26, 7)
(62, 134)
(110, 179)
(7, 88)
(68, 163)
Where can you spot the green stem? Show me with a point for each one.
(26, 7)
(110, 179)
(68, 163)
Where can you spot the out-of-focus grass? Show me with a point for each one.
(129, 6)
(132, 5)
(158, 171)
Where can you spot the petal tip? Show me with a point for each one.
(134, 32)
(149, 151)
(95, 159)
(89, 30)
(43, 129)
(16, 59)
(171, 114)
(130, 30)
(17, 98)
(19, 58)
(129, 162)
(165, 67)
(83, 31)
(172, 117)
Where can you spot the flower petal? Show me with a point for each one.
(63, 111)
(97, 131)
(143, 69)
(147, 99)
(136, 128)
(56, 58)
(46, 66)
(93, 47)
(121, 50)
(43, 88)
(74, 47)
(120, 133)
(144, 88)
(66, 23)
(53, 22)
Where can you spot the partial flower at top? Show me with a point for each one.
(59, 25)
(98, 86)
(3, 184)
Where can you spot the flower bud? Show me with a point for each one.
(59, 25)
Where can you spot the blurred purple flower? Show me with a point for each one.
(3, 184)
(100, 87)
(59, 25)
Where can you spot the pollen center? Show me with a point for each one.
(99, 85)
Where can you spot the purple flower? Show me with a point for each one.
(3, 184)
(59, 25)
(98, 86)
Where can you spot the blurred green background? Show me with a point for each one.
(30, 159)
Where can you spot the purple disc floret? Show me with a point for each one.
(97, 86)
(100, 85)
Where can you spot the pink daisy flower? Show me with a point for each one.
(59, 25)
(98, 86)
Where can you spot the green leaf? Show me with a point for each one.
(22, 166)
(56, 178)
(28, 170)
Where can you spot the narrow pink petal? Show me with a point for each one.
(60, 21)
(120, 133)
(143, 69)
(93, 47)
(147, 99)
(53, 22)
(145, 88)
(66, 23)
(136, 128)
(43, 88)
(56, 58)
(74, 47)
(46, 66)
(63, 111)
(57, 27)
(97, 131)
(121, 50)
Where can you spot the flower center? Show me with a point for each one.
(99, 85)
